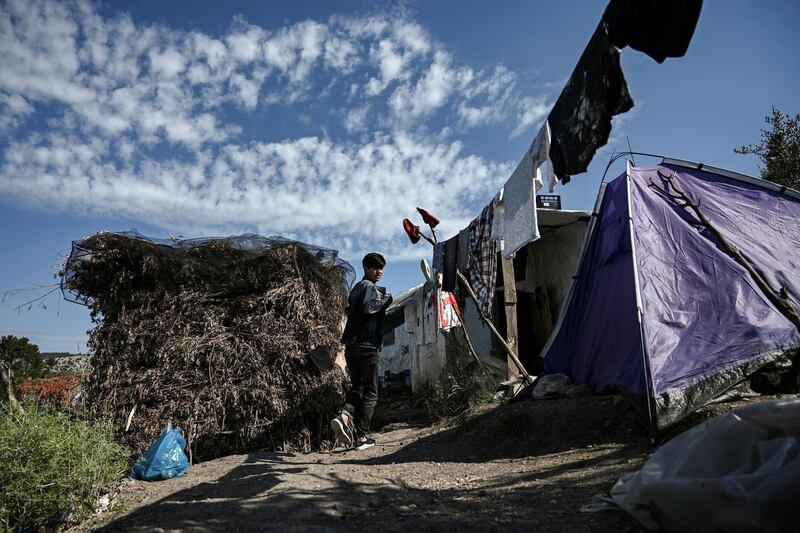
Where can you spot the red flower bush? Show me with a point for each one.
(56, 391)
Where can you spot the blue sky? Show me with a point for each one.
(327, 121)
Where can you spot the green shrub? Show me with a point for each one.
(51, 463)
(459, 392)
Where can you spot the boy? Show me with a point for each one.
(362, 339)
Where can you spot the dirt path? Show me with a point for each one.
(526, 466)
(465, 476)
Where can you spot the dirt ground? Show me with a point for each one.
(525, 466)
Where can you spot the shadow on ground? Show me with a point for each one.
(528, 428)
(253, 497)
(528, 466)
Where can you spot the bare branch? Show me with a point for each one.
(779, 298)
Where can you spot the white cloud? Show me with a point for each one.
(13, 109)
(144, 121)
(247, 90)
(356, 119)
(244, 42)
(341, 190)
(167, 64)
(534, 110)
(429, 93)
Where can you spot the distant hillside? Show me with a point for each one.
(71, 363)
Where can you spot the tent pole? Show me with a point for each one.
(640, 311)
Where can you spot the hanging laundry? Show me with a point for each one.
(499, 216)
(463, 249)
(519, 207)
(580, 120)
(438, 257)
(659, 28)
(482, 267)
(540, 154)
(448, 311)
(450, 264)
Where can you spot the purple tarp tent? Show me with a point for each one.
(659, 311)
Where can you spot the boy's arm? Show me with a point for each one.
(376, 299)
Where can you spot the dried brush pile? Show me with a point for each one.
(211, 337)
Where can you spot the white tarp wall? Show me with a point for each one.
(428, 360)
(419, 343)
(396, 357)
(553, 259)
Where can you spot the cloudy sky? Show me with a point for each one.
(326, 121)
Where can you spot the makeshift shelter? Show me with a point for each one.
(231, 339)
(418, 339)
(543, 272)
(660, 309)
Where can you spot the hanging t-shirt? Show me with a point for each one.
(659, 28)
(498, 221)
(580, 120)
(519, 204)
(448, 311)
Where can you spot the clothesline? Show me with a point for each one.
(578, 124)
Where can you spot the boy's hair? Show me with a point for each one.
(373, 260)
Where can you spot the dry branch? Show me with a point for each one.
(212, 338)
(779, 298)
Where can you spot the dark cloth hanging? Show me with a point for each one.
(659, 28)
(438, 257)
(463, 250)
(450, 264)
(580, 121)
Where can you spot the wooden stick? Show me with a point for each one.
(130, 418)
(510, 304)
(488, 322)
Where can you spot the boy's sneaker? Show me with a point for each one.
(364, 442)
(342, 431)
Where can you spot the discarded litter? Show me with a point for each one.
(737, 472)
(164, 459)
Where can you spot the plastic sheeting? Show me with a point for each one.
(83, 251)
(737, 472)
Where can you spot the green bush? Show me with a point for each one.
(459, 392)
(51, 463)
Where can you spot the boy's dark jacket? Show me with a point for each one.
(365, 312)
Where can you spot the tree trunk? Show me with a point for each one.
(7, 386)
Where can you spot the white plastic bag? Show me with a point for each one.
(737, 472)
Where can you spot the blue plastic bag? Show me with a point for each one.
(164, 459)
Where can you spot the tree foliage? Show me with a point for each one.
(779, 149)
(23, 357)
